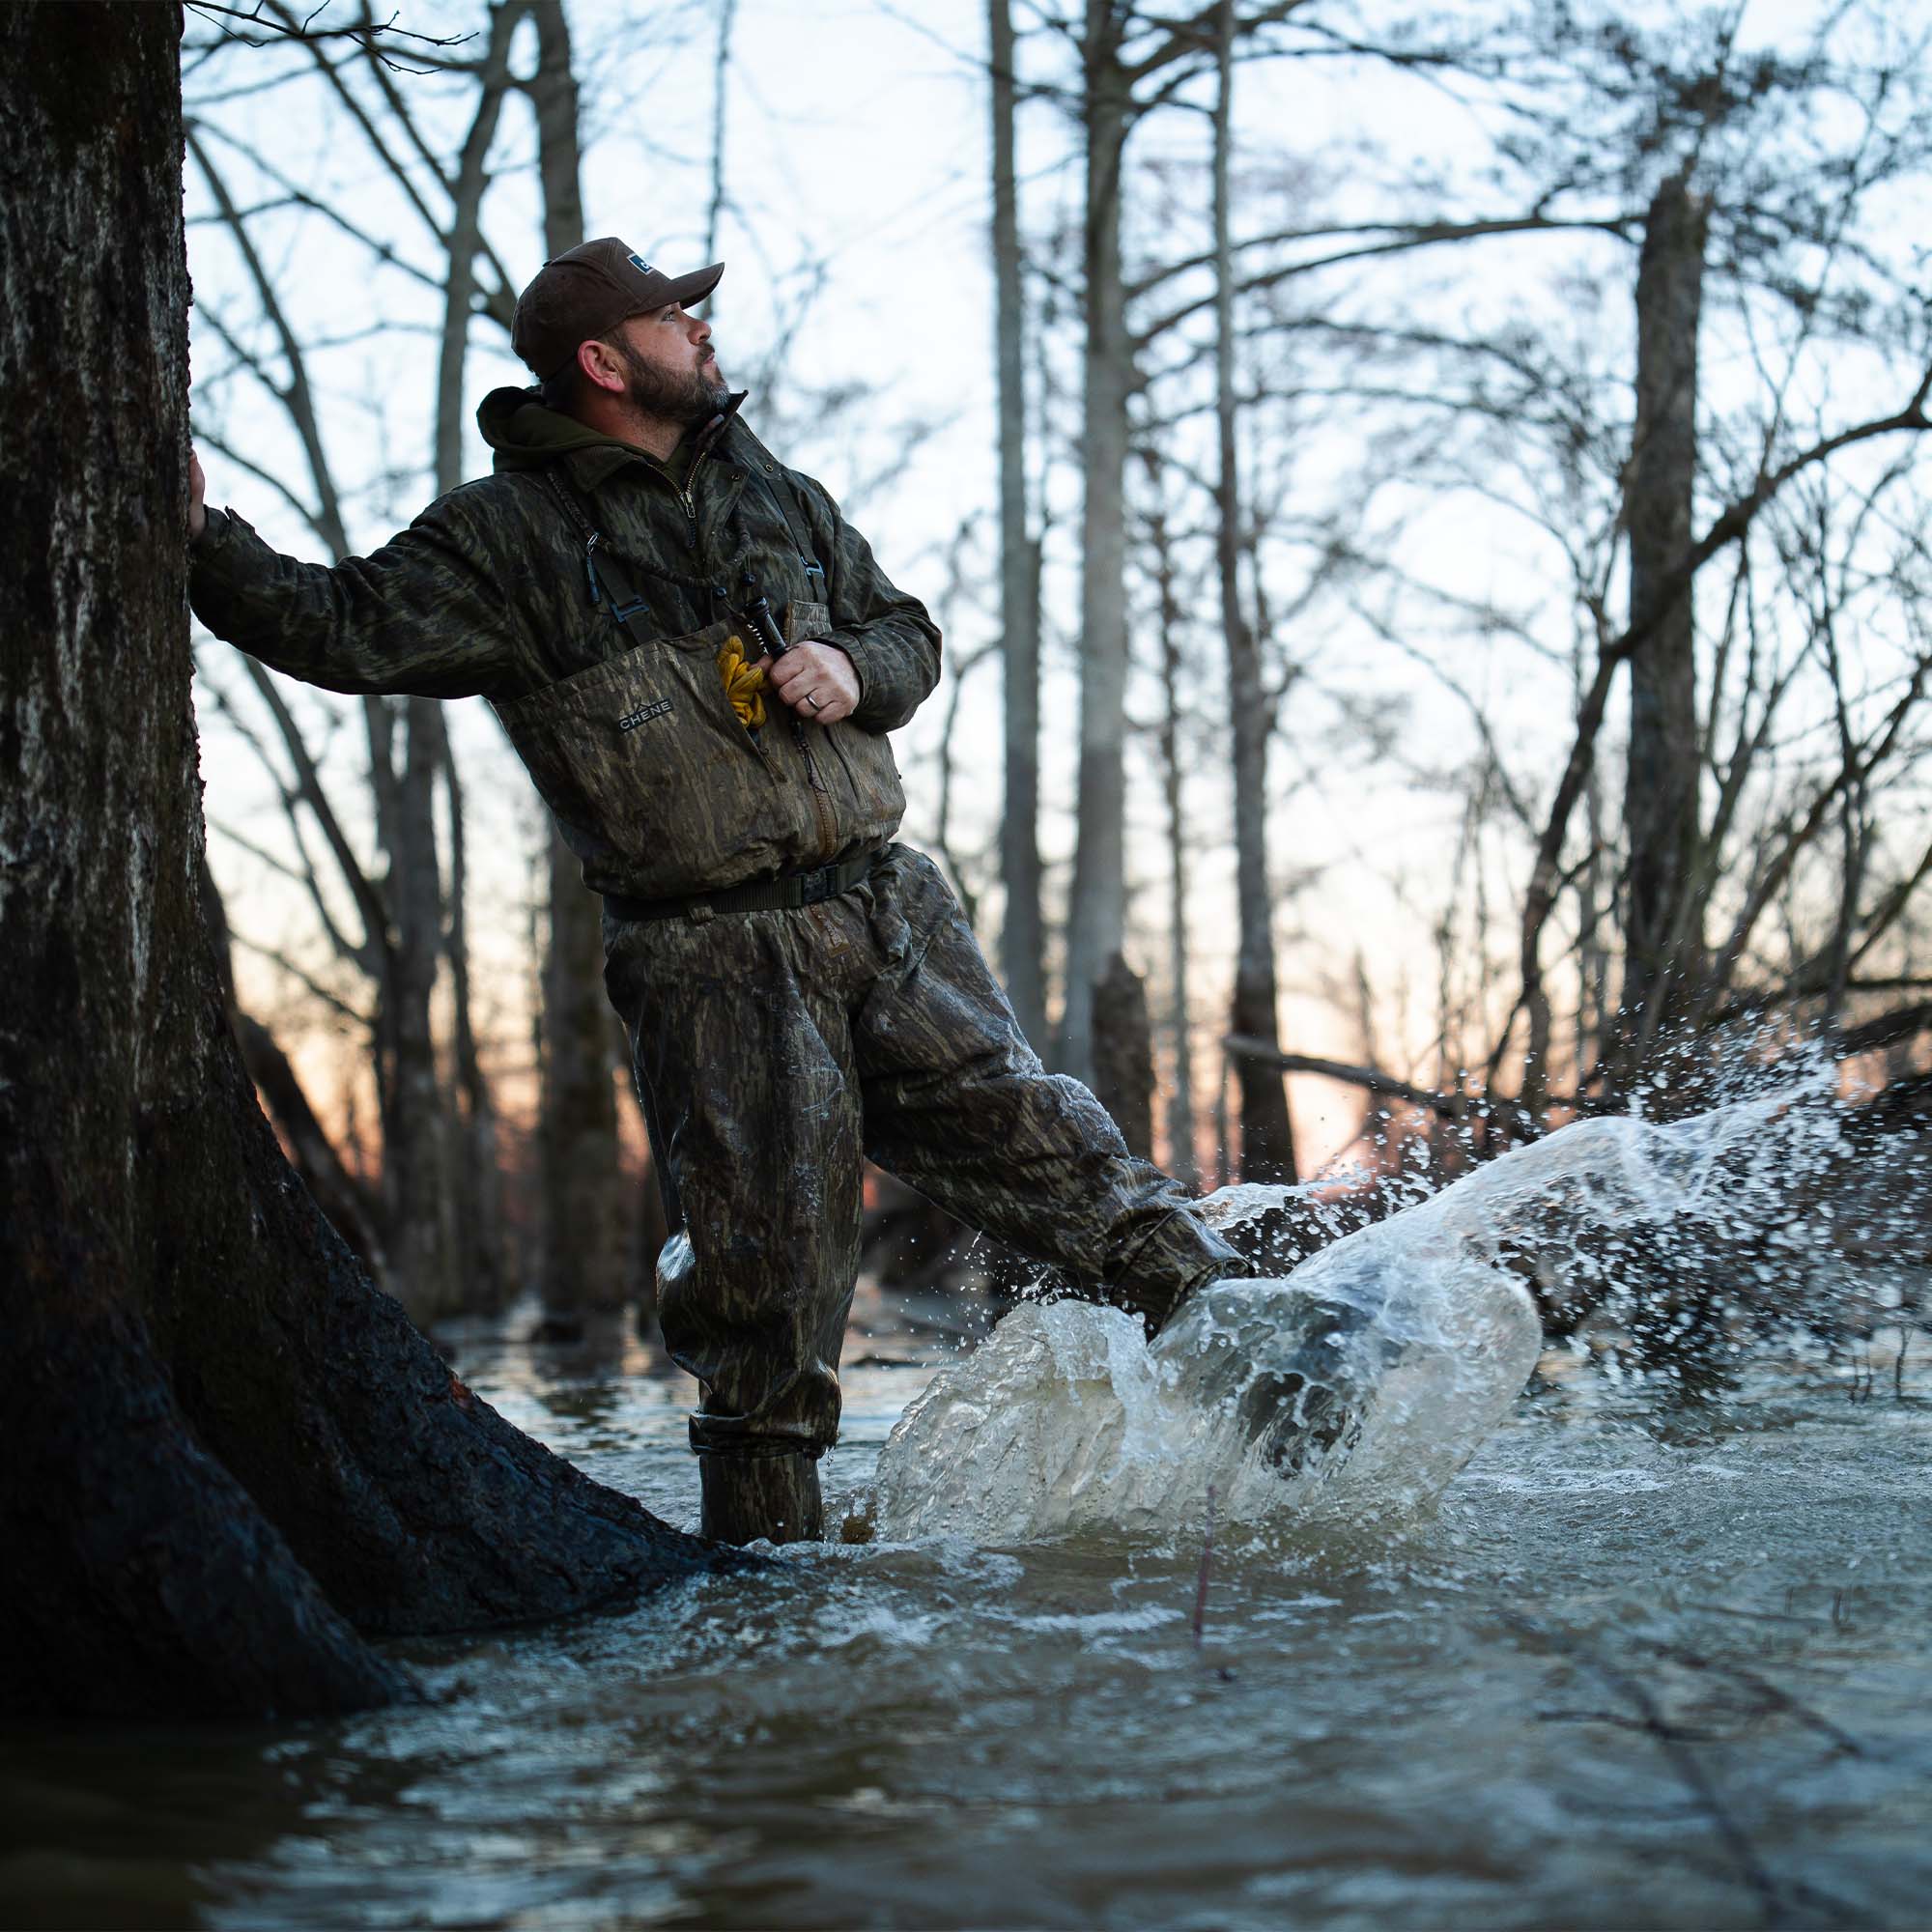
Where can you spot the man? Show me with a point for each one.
(800, 992)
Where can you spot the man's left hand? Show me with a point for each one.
(816, 680)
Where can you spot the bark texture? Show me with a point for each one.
(589, 1217)
(336, 1191)
(1097, 914)
(588, 1236)
(1181, 1160)
(1268, 1141)
(223, 1451)
(1662, 936)
(1123, 1054)
(1022, 929)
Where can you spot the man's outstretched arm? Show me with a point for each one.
(420, 615)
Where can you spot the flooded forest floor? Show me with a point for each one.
(1646, 1663)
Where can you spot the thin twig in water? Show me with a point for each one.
(1684, 1761)
(1779, 1700)
(1624, 1722)
(1756, 1616)
(1201, 1581)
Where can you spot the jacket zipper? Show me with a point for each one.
(821, 804)
(684, 496)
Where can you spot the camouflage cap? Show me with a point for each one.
(586, 291)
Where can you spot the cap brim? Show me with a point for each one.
(687, 290)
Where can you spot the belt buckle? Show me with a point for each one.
(815, 885)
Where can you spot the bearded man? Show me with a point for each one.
(699, 660)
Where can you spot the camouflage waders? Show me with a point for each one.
(776, 1050)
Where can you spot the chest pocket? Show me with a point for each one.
(656, 784)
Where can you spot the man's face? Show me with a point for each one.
(671, 370)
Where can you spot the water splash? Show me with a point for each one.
(1355, 1385)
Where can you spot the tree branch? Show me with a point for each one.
(366, 34)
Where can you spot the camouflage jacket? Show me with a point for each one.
(507, 587)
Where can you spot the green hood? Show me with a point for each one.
(525, 436)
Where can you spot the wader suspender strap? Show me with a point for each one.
(625, 603)
(783, 492)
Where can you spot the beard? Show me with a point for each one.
(694, 397)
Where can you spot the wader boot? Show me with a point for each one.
(746, 1497)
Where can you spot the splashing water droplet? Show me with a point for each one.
(1353, 1388)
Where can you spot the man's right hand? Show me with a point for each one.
(197, 490)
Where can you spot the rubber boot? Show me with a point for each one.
(746, 1497)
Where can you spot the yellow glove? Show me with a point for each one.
(744, 683)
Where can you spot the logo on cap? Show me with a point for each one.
(643, 266)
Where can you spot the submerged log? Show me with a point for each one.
(225, 1456)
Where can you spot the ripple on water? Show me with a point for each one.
(1632, 1669)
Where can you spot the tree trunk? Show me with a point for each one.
(417, 1168)
(1594, 896)
(589, 1218)
(336, 1191)
(552, 91)
(587, 1233)
(1663, 933)
(1181, 1157)
(221, 1450)
(721, 97)
(474, 1271)
(1096, 916)
(464, 235)
(1123, 1054)
(1268, 1147)
(1022, 930)
(479, 1171)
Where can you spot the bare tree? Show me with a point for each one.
(1738, 865)
(400, 909)
(225, 1459)
(585, 1206)
(1133, 64)
(1182, 1126)
(588, 1233)
(1660, 803)
(1097, 913)
(1267, 1140)
(1022, 948)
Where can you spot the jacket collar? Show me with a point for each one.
(595, 466)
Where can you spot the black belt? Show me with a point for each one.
(781, 894)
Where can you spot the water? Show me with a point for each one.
(1358, 1388)
(1353, 1387)
(1638, 1664)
